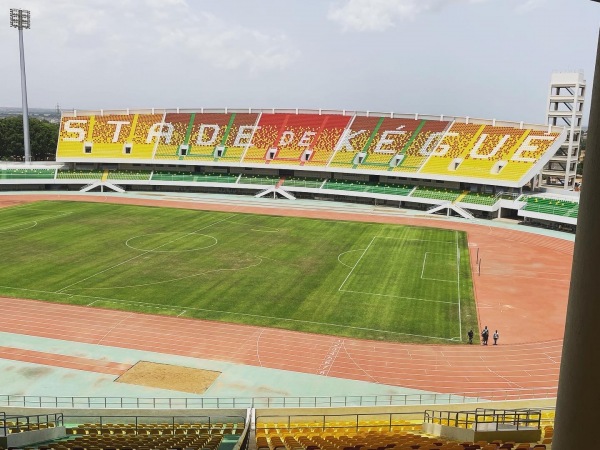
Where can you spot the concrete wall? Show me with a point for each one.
(468, 434)
(32, 437)
(123, 414)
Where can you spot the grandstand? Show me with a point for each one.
(311, 429)
(451, 165)
(435, 148)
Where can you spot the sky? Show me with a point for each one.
(477, 58)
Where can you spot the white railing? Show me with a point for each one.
(442, 117)
(33, 401)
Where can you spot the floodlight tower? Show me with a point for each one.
(21, 19)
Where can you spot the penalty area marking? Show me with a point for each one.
(171, 251)
(356, 264)
(435, 279)
(340, 289)
(398, 296)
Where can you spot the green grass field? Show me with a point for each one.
(365, 280)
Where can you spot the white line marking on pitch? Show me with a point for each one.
(435, 279)
(171, 251)
(141, 254)
(9, 230)
(416, 240)
(285, 319)
(356, 264)
(175, 279)
(349, 251)
(385, 295)
(398, 296)
(34, 222)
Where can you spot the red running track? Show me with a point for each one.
(522, 292)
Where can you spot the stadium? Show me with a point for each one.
(409, 281)
(242, 278)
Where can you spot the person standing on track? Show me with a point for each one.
(496, 336)
(485, 334)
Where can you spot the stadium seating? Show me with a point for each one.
(303, 182)
(357, 138)
(389, 138)
(125, 175)
(437, 193)
(259, 179)
(195, 177)
(295, 139)
(17, 174)
(551, 206)
(74, 131)
(109, 134)
(207, 131)
(343, 435)
(146, 436)
(359, 142)
(475, 151)
(371, 434)
(238, 136)
(428, 136)
(326, 139)
(79, 174)
(477, 198)
(173, 136)
(365, 186)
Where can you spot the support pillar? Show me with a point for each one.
(579, 383)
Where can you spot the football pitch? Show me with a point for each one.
(351, 279)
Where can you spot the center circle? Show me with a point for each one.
(171, 242)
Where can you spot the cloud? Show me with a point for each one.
(176, 31)
(379, 15)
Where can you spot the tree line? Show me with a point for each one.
(43, 137)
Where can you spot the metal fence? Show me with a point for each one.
(333, 422)
(138, 423)
(270, 402)
(17, 424)
(487, 419)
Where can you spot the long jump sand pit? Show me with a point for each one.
(167, 376)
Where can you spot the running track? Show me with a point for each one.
(522, 292)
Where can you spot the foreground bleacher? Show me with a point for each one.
(351, 428)
(123, 433)
(391, 431)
